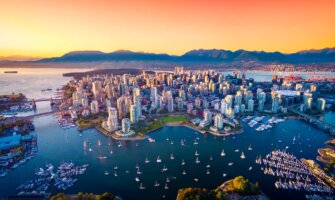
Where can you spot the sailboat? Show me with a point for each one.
(196, 153)
(137, 179)
(208, 172)
(156, 184)
(111, 152)
(171, 157)
(158, 160)
(230, 164)
(183, 162)
(167, 180)
(106, 173)
(164, 169)
(142, 187)
(147, 160)
(195, 141)
(242, 155)
(224, 175)
(184, 172)
(166, 186)
(197, 160)
(182, 142)
(138, 171)
(250, 168)
(137, 166)
(89, 149)
(250, 148)
(115, 174)
(222, 153)
(211, 158)
(237, 150)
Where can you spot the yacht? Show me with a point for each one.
(184, 172)
(196, 153)
(137, 179)
(106, 173)
(151, 140)
(208, 166)
(171, 157)
(222, 153)
(164, 169)
(197, 160)
(166, 186)
(171, 142)
(147, 160)
(156, 184)
(111, 152)
(250, 148)
(142, 187)
(230, 164)
(250, 168)
(242, 155)
(224, 175)
(196, 180)
(183, 162)
(159, 160)
(237, 150)
(89, 149)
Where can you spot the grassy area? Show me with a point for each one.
(90, 121)
(176, 118)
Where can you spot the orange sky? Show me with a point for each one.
(54, 27)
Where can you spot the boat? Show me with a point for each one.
(197, 160)
(158, 160)
(222, 153)
(196, 153)
(171, 142)
(151, 140)
(3, 173)
(115, 174)
(111, 152)
(164, 169)
(116, 168)
(10, 72)
(195, 142)
(147, 160)
(142, 187)
(211, 158)
(171, 157)
(156, 184)
(208, 172)
(106, 173)
(183, 162)
(89, 149)
(166, 186)
(242, 155)
(137, 179)
(184, 172)
(230, 164)
(208, 166)
(102, 157)
(167, 180)
(224, 175)
(237, 150)
(250, 168)
(138, 171)
(250, 148)
(196, 180)
(182, 142)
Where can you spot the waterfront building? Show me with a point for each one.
(230, 113)
(112, 121)
(153, 96)
(260, 107)
(94, 107)
(229, 101)
(197, 102)
(133, 114)
(189, 108)
(125, 126)
(180, 105)
(238, 98)
(96, 89)
(207, 115)
(84, 102)
(121, 107)
(218, 121)
(309, 103)
(170, 103)
(275, 103)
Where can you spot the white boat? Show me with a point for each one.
(195, 142)
(137, 179)
(147, 160)
(156, 184)
(106, 173)
(237, 150)
(196, 153)
(151, 140)
(111, 152)
(222, 153)
(184, 172)
(171, 157)
(138, 171)
(211, 158)
(167, 180)
(166, 186)
(116, 167)
(208, 172)
(250, 148)
(115, 174)
(250, 168)
(196, 180)
(197, 160)
(242, 155)
(171, 142)
(142, 187)
(89, 149)
(224, 175)
(183, 162)
(158, 160)
(208, 166)
(230, 164)
(164, 169)
(182, 142)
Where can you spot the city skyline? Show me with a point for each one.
(47, 29)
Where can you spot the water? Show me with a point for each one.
(56, 145)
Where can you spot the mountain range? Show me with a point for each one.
(326, 55)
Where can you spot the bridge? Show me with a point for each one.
(32, 101)
(315, 121)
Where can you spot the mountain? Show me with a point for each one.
(201, 55)
(121, 55)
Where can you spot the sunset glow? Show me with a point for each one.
(51, 28)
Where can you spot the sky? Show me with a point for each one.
(46, 28)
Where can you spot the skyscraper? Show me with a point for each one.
(133, 114)
(112, 122)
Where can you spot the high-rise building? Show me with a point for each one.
(224, 106)
(94, 107)
(112, 121)
(218, 121)
(207, 115)
(251, 105)
(153, 96)
(133, 114)
(121, 107)
(275, 104)
(170, 103)
(321, 104)
(125, 125)
(260, 107)
(96, 89)
(229, 101)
